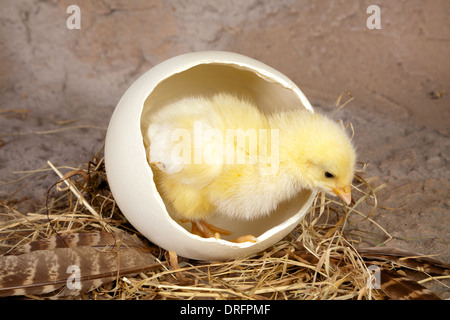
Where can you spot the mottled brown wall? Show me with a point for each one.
(324, 46)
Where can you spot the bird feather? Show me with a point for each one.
(393, 284)
(399, 287)
(43, 266)
(408, 259)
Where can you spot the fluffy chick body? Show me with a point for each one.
(294, 150)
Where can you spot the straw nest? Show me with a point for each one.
(318, 260)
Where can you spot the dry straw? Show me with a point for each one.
(318, 260)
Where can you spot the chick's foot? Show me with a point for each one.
(206, 230)
(247, 238)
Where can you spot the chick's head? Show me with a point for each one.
(332, 169)
(319, 152)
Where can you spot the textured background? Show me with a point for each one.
(70, 81)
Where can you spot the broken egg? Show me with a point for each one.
(131, 178)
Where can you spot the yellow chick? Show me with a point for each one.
(222, 155)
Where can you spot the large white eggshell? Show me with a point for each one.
(130, 176)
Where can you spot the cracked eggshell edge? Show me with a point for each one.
(131, 179)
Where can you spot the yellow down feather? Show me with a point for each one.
(222, 154)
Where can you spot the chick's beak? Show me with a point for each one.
(344, 193)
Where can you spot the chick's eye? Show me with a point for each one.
(329, 175)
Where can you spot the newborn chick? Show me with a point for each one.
(223, 155)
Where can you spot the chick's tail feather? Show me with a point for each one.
(71, 265)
